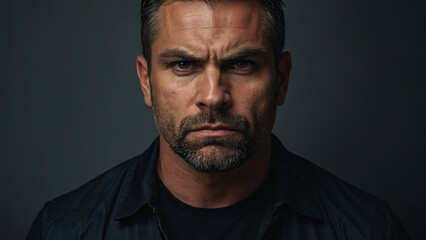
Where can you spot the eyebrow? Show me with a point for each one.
(169, 54)
(243, 54)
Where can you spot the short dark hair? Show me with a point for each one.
(273, 18)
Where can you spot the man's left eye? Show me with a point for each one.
(243, 64)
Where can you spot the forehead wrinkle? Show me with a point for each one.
(235, 49)
(183, 18)
(212, 54)
(205, 16)
(176, 51)
(222, 35)
(208, 28)
(191, 21)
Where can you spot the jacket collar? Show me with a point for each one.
(293, 179)
(292, 183)
(138, 187)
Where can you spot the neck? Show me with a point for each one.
(212, 190)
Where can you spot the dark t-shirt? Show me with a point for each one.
(238, 221)
(309, 203)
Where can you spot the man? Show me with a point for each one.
(213, 73)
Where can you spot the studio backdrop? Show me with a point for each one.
(71, 105)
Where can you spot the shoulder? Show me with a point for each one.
(345, 207)
(328, 186)
(331, 191)
(90, 206)
(90, 209)
(98, 192)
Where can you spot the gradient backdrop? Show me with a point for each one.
(71, 105)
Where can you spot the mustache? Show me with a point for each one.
(234, 121)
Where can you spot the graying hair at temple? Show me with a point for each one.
(273, 19)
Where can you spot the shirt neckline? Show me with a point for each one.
(257, 199)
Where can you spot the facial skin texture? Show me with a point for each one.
(214, 83)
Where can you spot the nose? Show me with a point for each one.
(212, 90)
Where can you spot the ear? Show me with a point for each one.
(283, 74)
(142, 69)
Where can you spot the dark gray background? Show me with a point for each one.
(71, 105)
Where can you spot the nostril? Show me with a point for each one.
(227, 100)
(201, 105)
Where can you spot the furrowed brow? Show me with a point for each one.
(172, 55)
(243, 55)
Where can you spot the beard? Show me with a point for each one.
(215, 154)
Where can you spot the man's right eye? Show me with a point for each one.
(183, 68)
(182, 65)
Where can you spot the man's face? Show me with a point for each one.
(213, 85)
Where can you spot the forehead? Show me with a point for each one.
(216, 29)
(234, 13)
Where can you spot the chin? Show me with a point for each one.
(214, 158)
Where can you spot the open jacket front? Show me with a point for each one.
(308, 203)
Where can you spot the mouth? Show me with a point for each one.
(215, 130)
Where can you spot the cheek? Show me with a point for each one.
(178, 98)
(253, 98)
(171, 96)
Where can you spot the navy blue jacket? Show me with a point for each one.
(309, 203)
